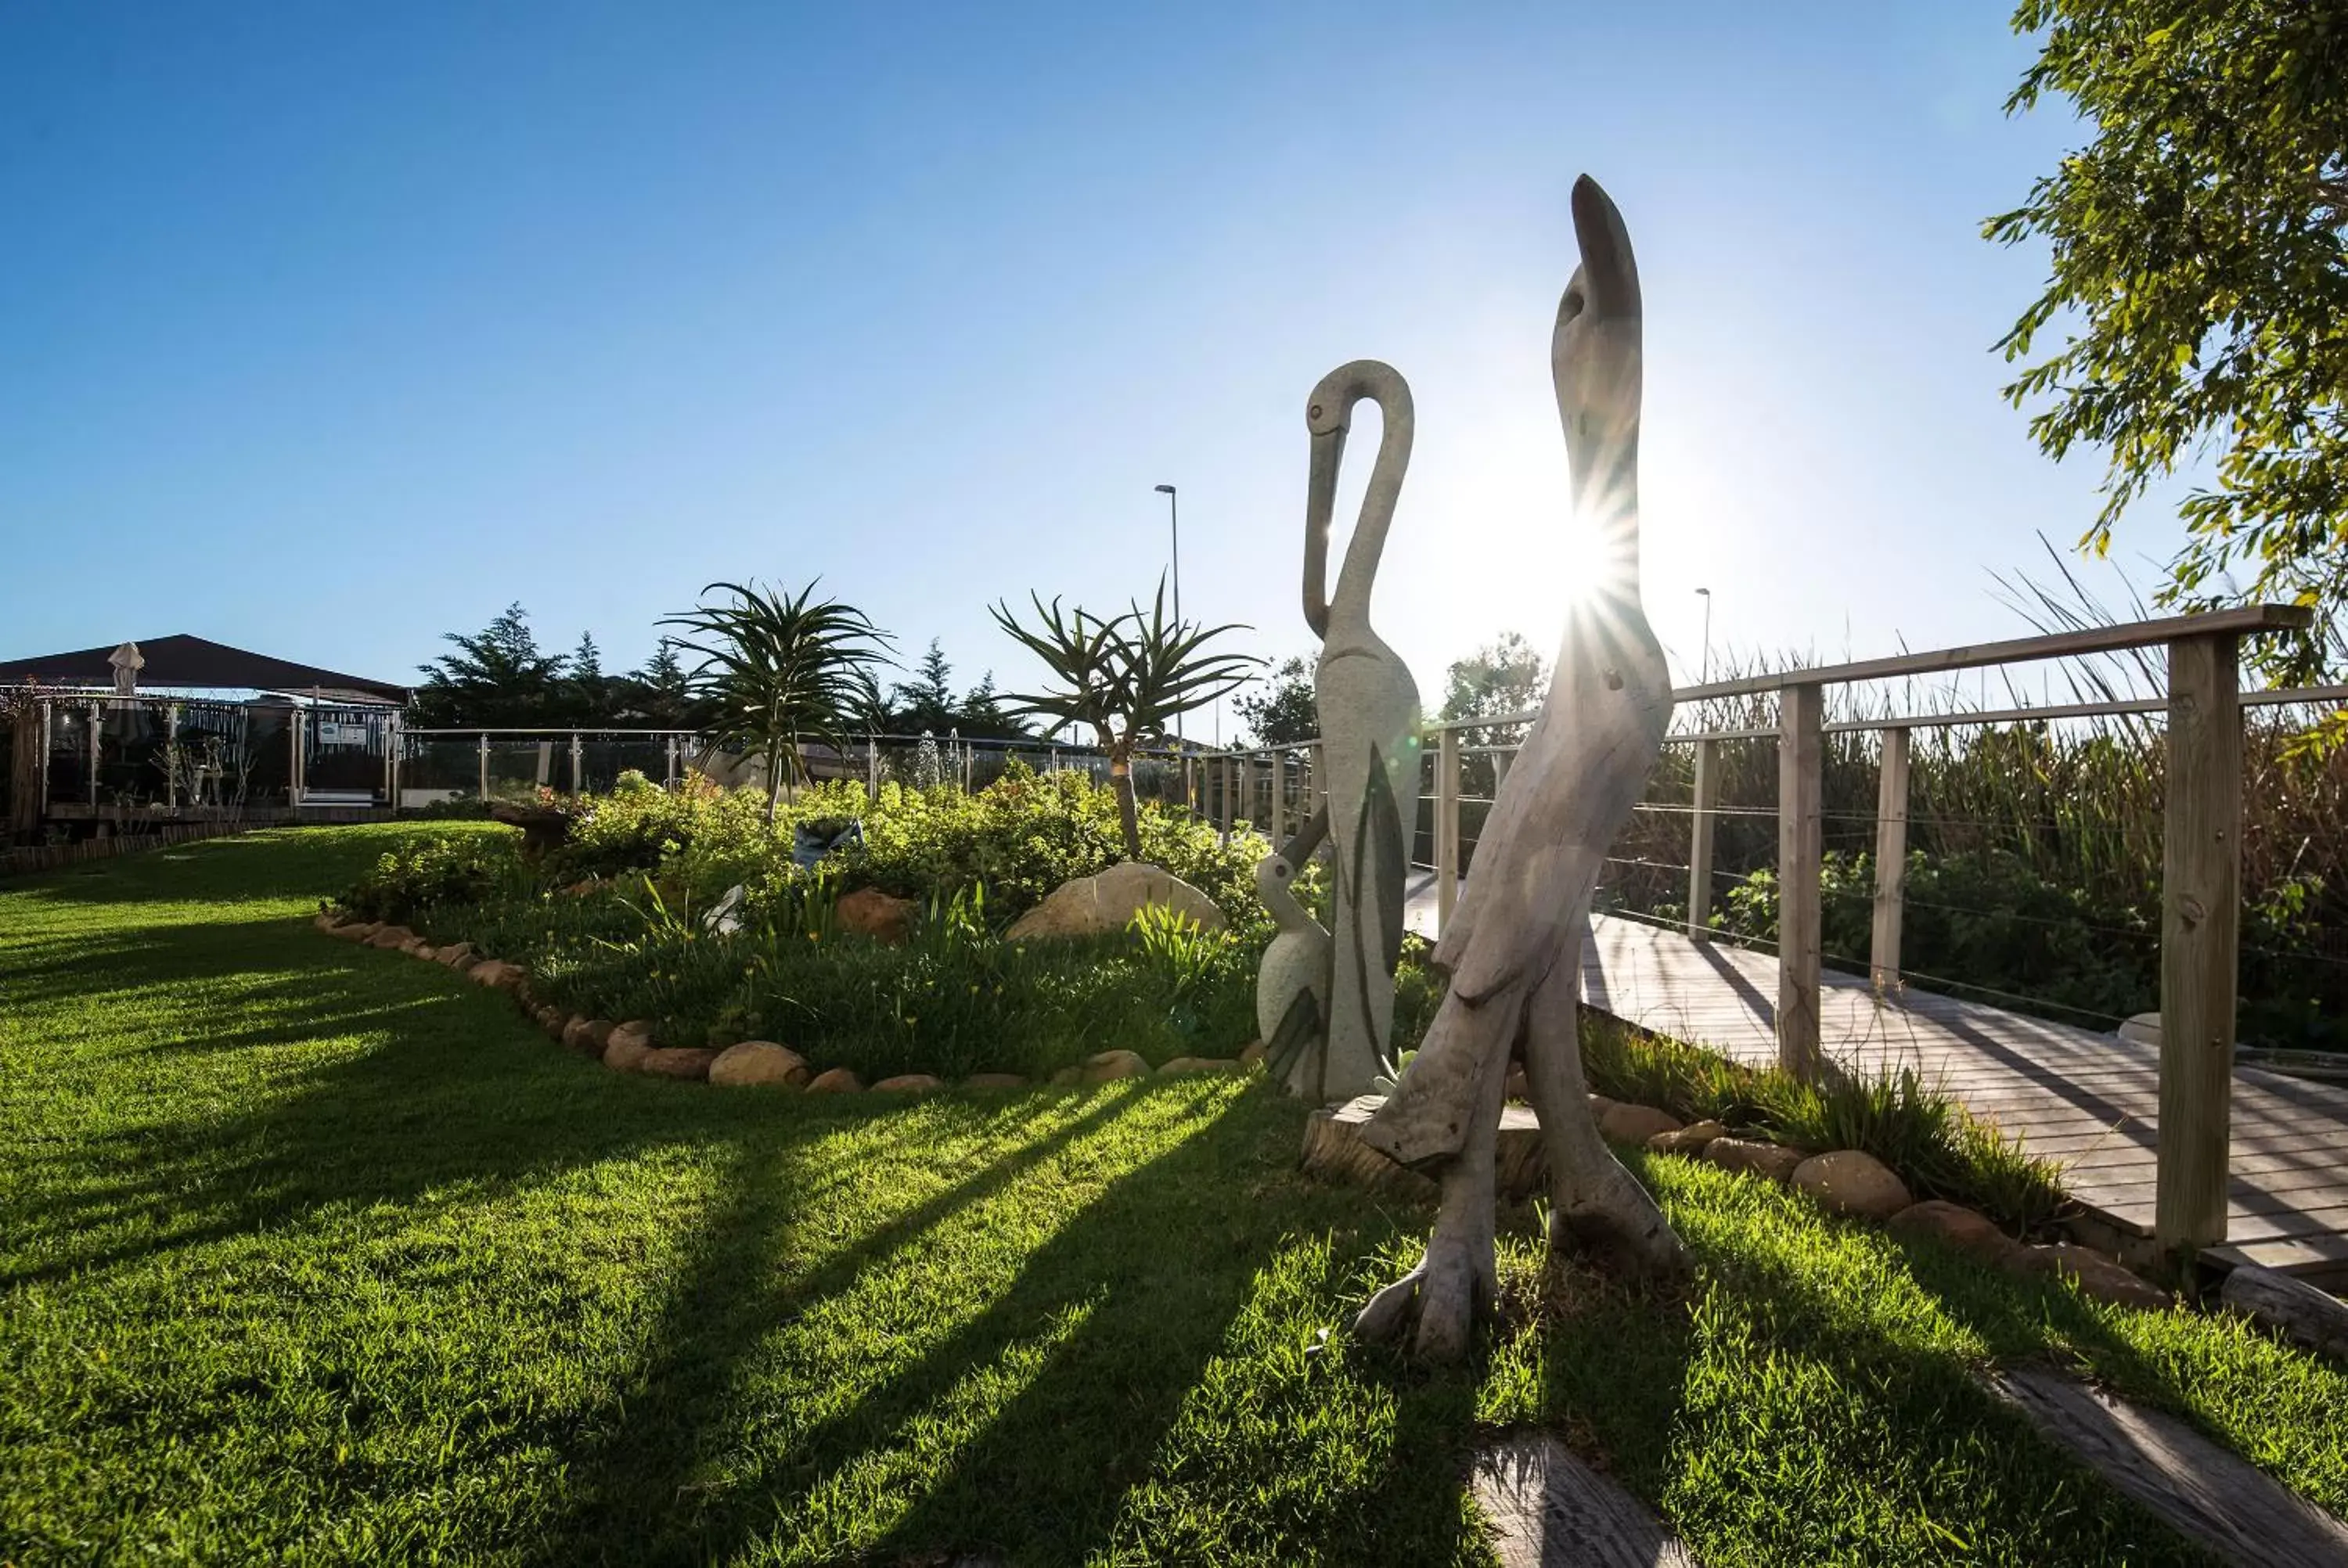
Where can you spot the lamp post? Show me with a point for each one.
(1704, 678)
(1174, 529)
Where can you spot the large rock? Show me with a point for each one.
(758, 1062)
(2097, 1277)
(627, 1045)
(457, 955)
(909, 1083)
(1953, 1225)
(868, 912)
(1111, 1064)
(1687, 1139)
(588, 1036)
(1852, 1182)
(354, 930)
(390, 936)
(1635, 1123)
(1754, 1157)
(995, 1081)
(1098, 905)
(686, 1061)
(835, 1081)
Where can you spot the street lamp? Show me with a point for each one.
(1174, 527)
(1705, 677)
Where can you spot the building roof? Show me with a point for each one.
(183, 661)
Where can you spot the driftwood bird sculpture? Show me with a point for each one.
(1368, 708)
(1513, 946)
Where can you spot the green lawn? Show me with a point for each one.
(314, 1252)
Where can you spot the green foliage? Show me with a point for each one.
(777, 669)
(2199, 243)
(425, 876)
(1937, 1148)
(1285, 713)
(1125, 678)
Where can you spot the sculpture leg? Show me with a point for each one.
(1594, 1203)
(1452, 1287)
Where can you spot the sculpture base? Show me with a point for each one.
(1334, 1150)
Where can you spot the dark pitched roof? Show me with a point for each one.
(184, 660)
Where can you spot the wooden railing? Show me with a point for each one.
(2201, 837)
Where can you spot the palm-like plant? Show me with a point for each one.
(777, 669)
(1125, 677)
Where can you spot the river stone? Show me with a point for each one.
(995, 1081)
(1111, 1064)
(1185, 1064)
(1098, 905)
(390, 936)
(588, 1036)
(868, 912)
(627, 1045)
(454, 956)
(1975, 1235)
(758, 1061)
(502, 976)
(1598, 1106)
(1753, 1155)
(1852, 1182)
(550, 1019)
(1688, 1140)
(417, 947)
(2098, 1276)
(909, 1083)
(354, 930)
(835, 1081)
(1251, 1053)
(686, 1061)
(1635, 1123)
(1067, 1076)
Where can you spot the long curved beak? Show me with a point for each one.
(1320, 509)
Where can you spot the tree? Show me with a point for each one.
(777, 669)
(2200, 277)
(1508, 676)
(926, 701)
(589, 696)
(1282, 713)
(982, 712)
(1124, 678)
(498, 677)
(661, 693)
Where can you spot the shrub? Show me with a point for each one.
(433, 873)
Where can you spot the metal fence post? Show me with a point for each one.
(97, 730)
(1891, 861)
(1800, 851)
(576, 759)
(2201, 895)
(1447, 825)
(1706, 798)
(485, 767)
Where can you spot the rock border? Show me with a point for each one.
(629, 1046)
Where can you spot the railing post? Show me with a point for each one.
(2200, 897)
(49, 748)
(1891, 861)
(1800, 849)
(172, 757)
(1500, 761)
(668, 764)
(485, 767)
(1704, 798)
(1447, 824)
(97, 732)
(576, 758)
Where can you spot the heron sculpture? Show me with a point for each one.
(1368, 708)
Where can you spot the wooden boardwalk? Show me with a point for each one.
(2085, 1101)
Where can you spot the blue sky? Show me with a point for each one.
(327, 329)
